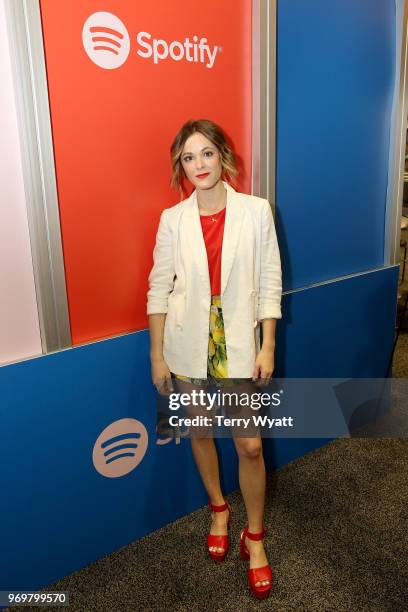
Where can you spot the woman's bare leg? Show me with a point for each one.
(206, 458)
(252, 484)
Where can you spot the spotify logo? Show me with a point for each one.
(107, 43)
(120, 448)
(106, 40)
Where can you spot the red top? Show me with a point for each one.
(213, 232)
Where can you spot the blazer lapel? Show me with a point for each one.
(232, 230)
(195, 238)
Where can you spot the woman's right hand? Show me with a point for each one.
(161, 376)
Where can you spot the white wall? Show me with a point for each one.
(19, 326)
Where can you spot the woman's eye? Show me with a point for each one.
(209, 153)
(187, 158)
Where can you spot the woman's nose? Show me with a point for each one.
(199, 163)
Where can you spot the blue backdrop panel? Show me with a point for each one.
(58, 513)
(339, 329)
(343, 329)
(335, 79)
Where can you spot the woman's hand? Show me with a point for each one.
(161, 376)
(264, 365)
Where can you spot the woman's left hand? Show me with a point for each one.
(264, 366)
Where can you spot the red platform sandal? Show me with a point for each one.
(220, 541)
(259, 573)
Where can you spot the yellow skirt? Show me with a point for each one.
(217, 366)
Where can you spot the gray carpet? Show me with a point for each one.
(337, 541)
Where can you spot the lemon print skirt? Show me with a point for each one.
(217, 366)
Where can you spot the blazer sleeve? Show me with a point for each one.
(270, 287)
(161, 277)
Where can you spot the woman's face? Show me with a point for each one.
(201, 161)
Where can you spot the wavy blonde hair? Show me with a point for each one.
(216, 135)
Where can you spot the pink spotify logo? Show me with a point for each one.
(120, 448)
(106, 40)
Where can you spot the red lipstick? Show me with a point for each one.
(200, 176)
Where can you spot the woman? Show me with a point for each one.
(216, 275)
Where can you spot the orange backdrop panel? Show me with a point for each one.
(112, 129)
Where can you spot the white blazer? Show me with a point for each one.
(251, 283)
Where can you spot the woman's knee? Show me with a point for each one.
(249, 448)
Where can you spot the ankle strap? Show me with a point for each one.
(254, 536)
(219, 508)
